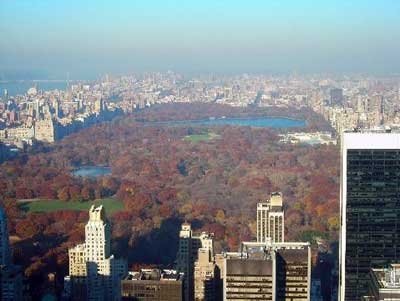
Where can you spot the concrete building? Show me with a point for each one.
(94, 274)
(268, 271)
(189, 245)
(249, 279)
(370, 210)
(384, 284)
(206, 276)
(271, 219)
(152, 285)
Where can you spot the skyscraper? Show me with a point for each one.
(270, 219)
(4, 243)
(94, 274)
(189, 245)
(10, 275)
(370, 208)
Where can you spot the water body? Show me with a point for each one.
(92, 171)
(272, 122)
(21, 87)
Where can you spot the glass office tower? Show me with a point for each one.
(370, 208)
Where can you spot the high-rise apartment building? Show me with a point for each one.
(370, 208)
(271, 219)
(94, 274)
(189, 245)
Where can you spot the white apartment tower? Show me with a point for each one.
(94, 274)
(270, 220)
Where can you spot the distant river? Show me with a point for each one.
(92, 171)
(273, 122)
(21, 87)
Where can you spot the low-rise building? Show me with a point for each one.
(152, 285)
(384, 284)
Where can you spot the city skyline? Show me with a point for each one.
(87, 39)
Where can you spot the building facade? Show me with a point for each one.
(271, 219)
(370, 208)
(94, 273)
(268, 271)
(249, 279)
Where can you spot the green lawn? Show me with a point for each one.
(110, 205)
(201, 137)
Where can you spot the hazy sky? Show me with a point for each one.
(86, 37)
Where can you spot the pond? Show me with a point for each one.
(92, 171)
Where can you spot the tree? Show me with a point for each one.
(63, 194)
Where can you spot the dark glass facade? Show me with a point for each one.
(372, 216)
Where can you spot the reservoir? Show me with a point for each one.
(272, 122)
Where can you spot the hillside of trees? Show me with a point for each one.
(163, 180)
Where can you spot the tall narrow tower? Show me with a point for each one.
(97, 235)
(271, 220)
(94, 273)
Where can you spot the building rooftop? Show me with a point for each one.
(377, 130)
(154, 275)
(388, 278)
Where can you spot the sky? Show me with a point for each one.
(86, 38)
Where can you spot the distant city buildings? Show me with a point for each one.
(345, 102)
(152, 285)
(48, 116)
(94, 273)
(370, 210)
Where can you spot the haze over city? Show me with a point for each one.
(46, 39)
(210, 150)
